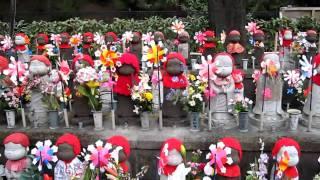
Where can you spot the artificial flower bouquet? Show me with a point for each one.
(196, 165)
(141, 95)
(193, 99)
(242, 105)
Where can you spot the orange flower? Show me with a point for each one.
(108, 58)
(152, 53)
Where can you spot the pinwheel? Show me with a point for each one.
(17, 70)
(199, 37)
(252, 27)
(147, 38)
(44, 153)
(109, 57)
(75, 40)
(127, 36)
(203, 69)
(306, 68)
(155, 54)
(6, 43)
(292, 77)
(177, 26)
(98, 38)
(56, 38)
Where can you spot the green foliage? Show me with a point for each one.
(51, 101)
(91, 94)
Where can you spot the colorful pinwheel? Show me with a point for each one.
(109, 57)
(56, 38)
(155, 53)
(199, 37)
(252, 27)
(203, 69)
(75, 40)
(177, 26)
(6, 43)
(98, 38)
(16, 71)
(44, 154)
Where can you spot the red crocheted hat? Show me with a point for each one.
(3, 63)
(88, 34)
(173, 143)
(44, 36)
(72, 140)
(65, 34)
(41, 58)
(232, 143)
(120, 141)
(130, 59)
(84, 57)
(113, 35)
(311, 32)
(258, 32)
(285, 142)
(174, 55)
(209, 33)
(238, 71)
(17, 138)
(234, 32)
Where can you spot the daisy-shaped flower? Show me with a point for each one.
(75, 40)
(98, 38)
(154, 54)
(252, 27)
(6, 43)
(44, 153)
(109, 57)
(218, 157)
(206, 69)
(177, 26)
(56, 39)
(292, 77)
(16, 69)
(147, 38)
(99, 156)
(127, 36)
(199, 37)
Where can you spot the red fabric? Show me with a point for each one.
(209, 33)
(120, 141)
(18, 165)
(72, 140)
(3, 63)
(234, 32)
(87, 45)
(238, 85)
(284, 142)
(113, 35)
(41, 58)
(173, 143)
(311, 32)
(83, 57)
(21, 47)
(170, 81)
(17, 138)
(291, 172)
(44, 36)
(65, 45)
(231, 171)
(124, 83)
(235, 48)
(285, 42)
(316, 62)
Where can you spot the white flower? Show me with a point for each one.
(97, 53)
(147, 38)
(136, 109)
(192, 103)
(177, 26)
(208, 170)
(98, 38)
(127, 36)
(6, 43)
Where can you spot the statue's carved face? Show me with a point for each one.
(224, 65)
(136, 38)
(234, 38)
(258, 37)
(287, 35)
(126, 70)
(87, 39)
(174, 158)
(38, 68)
(183, 37)
(311, 38)
(158, 36)
(288, 152)
(65, 152)
(175, 67)
(108, 39)
(19, 40)
(64, 39)
(41, 41)
(14, 151)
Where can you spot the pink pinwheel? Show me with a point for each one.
(147, 38)
(292, 77)
(267, 93)
(56, 38)
(127, 36)
(64, 70)
(199, 37)
(16, 68)
(6, 43)
(209, 93)
(44, 154)
(203, 69)
(218, 156)
(177, 26)
(252, 27)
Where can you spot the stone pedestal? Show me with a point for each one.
(124, 112)
(37, 109)
(81, 111)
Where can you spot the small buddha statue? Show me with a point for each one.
(183, 46)
(136, 45)
(311, 49)
(258, 38)
(21, 42)
(66, 51)
(286, 62)
(121, 144)
(41, 40)
(209, 45)
(87, 42)
(234, 47)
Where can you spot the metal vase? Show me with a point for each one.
(11, 118)
(194, 121)
(53, 117)
(145, 120)
(243, 121)
(294, 116)
(98, 120)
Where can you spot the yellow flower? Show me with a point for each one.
(192, 77)
(93, 84)
(148, 96)
(190, 90)
(201, 88)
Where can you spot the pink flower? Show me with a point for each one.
(267, 93)
(209, 93)
(199, 37)
(6, 43)
(252, 27)
(203, 69)
(256, 75)
(147, 38)
(127, 36)
(56, 38)
(64, 70)
(177, 26)
(16, 69)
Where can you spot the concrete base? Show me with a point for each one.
(315, 121)
(269, 123)
(223, 120)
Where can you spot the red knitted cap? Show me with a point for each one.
(209, 33)
(88, 34)
(44, 36)
(113, 35)
(174, 55)
(41, 58)
(3, 63)
(311, 31)
(72, 140)
(285, 142)
(17, 138)
(173, 143)
(122, 142)
(84, 57)
(232, 143)
(234, 32)
(130, 59)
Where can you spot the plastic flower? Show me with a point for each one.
(147, 38)
(204, 67)
(86, 74)
(49, 49)
(267, 93)
(6, 43)
(306, 68)
(148, 96)
(155, 53)
(292, 77)
(127, 36)
(64, 70)
(98, 38)
(256, 75)
(177, 26)
(199, 37)
(44, 154)
(93, 84)
(270, 67)
(109, 57)
(16, 69)
(75, 40)
(252, 27)
(56, 38)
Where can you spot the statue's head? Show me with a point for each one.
(136, 37)
(234, 36)
(16, 146)
(224, 64)
(129, 64)
(65, 38)
(81, 61)
(287, 34)
(42, 39)
(158, 36)
(69, 147)
(173, 151)
(258, 35)
(183, 37)
(120, 141)
(311, 36)
(175, 64)
(88, 38)
(21, 39)
(110, 37)
(286, 150)
(39, 65)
